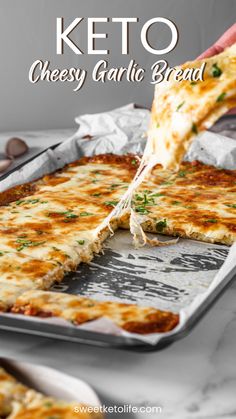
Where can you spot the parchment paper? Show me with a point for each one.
(176, 278)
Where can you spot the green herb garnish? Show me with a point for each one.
(138, 197)
(111, 203)
(211, 220)
(114, 185)
(231, 205)
(175, 202)
(155, 195)
(141, 210)
(221, 97)
(27, 243)
(161, 225)
(48, 404)
(71, 215)
(216, 71)
(182, 173)
(33, 201)
(167, 183)
(81, 242)
(180, 106)
(194, 128)
(85, 214)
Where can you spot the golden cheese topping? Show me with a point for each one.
(56, 223)
(11, 391)
(51, 409)
(182, 109)
(19, 401)
(19, 270)
(79, 310)
(196, 202)
(56, 227)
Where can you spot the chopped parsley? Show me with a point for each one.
(48, 404)
(138, 197)
(141, 209)
(221, 97)
(114, 185)
(211, 220)
(182, 173)
(111, 203)
(231, 205)
(24, 243)
(133, 162)
(194, 128)
(180, 106)
(145, 199)
(68, 214)
(71, 215)
(154, 195)
(81, 242)
(175, 202)
(161, 225)
(96, 194)
(216, 71)
(193, 83)
(67, 256)
(167, 183)
(33, 201)
(85, 214)
(29, 201)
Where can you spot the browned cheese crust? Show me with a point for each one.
(79, 310)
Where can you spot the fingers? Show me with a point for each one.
(227, 39)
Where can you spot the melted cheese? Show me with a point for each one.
(51, 409)
(196, 202)
(18, 269)
(51, 231)
(18, 401)
(182, 109)
(80, 310)
(11, 391)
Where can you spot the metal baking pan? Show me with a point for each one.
(149, 276)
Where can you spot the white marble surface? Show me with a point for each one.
(193, 378)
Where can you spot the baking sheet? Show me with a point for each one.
(177, 278)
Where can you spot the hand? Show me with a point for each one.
(226, 40)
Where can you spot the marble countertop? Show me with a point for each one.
(193, 378)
